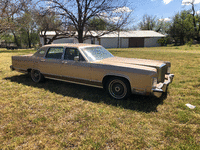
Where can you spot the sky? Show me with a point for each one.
(163, 9)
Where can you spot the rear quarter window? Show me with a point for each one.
(40, 53)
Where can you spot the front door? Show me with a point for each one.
(75, 68)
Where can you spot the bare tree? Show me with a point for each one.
(77, 13)
(153, 23)
(7, 11)
(10, 11)
(28, 28)
(49, 21)
(148, 22)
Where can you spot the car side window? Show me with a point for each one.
(40, 53)
(71, 53)
(55, 52)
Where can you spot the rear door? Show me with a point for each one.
(51, 64)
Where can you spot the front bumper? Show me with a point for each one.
(162, 87)
(12, 68)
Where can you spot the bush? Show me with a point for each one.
(163, 41)
(189, 43)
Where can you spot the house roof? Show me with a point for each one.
(140, 33)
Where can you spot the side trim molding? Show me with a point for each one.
(74, 80)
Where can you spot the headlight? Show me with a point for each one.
(168, 70)
(154, 82)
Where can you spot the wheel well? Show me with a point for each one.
(106, 78)
(29, 70)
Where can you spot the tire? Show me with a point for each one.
(118, 88)
(36, 76)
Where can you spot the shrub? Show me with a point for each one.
(189, 43)
(163, 41)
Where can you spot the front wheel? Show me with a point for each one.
(118, 88)
(36, 76)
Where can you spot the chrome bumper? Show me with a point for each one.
(11, 67)
(162, 87)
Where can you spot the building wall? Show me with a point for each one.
(113, 42)
(108, 42)
(124, 42)
(105, 42)
(41, 41)
(151, 42)
(97, 41)
(88, 41)
(64, 40)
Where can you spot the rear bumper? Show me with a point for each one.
(162, 87)
(18, 69)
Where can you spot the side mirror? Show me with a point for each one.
(76, 58)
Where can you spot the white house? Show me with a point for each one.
(122, 39)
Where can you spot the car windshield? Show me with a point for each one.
(96, 53)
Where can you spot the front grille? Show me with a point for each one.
(162, 70)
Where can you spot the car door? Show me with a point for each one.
(75, 68)
(51, 64)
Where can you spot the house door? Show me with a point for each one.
(136, 42)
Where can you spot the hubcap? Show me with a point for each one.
(36, 75)
(117, 89)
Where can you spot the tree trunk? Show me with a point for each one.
(45, 40)
(44, 37)
(118, 40)
(182, 42)
(80, 36)
(29, 40)
(52, 39)
(16, 40)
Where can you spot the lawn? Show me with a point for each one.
(59, 115)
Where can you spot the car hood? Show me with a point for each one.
(132, 61)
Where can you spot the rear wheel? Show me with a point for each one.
(118, 88)
(36, 76)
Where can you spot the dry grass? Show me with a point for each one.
(59, 115)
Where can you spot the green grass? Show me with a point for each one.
(59, 115)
